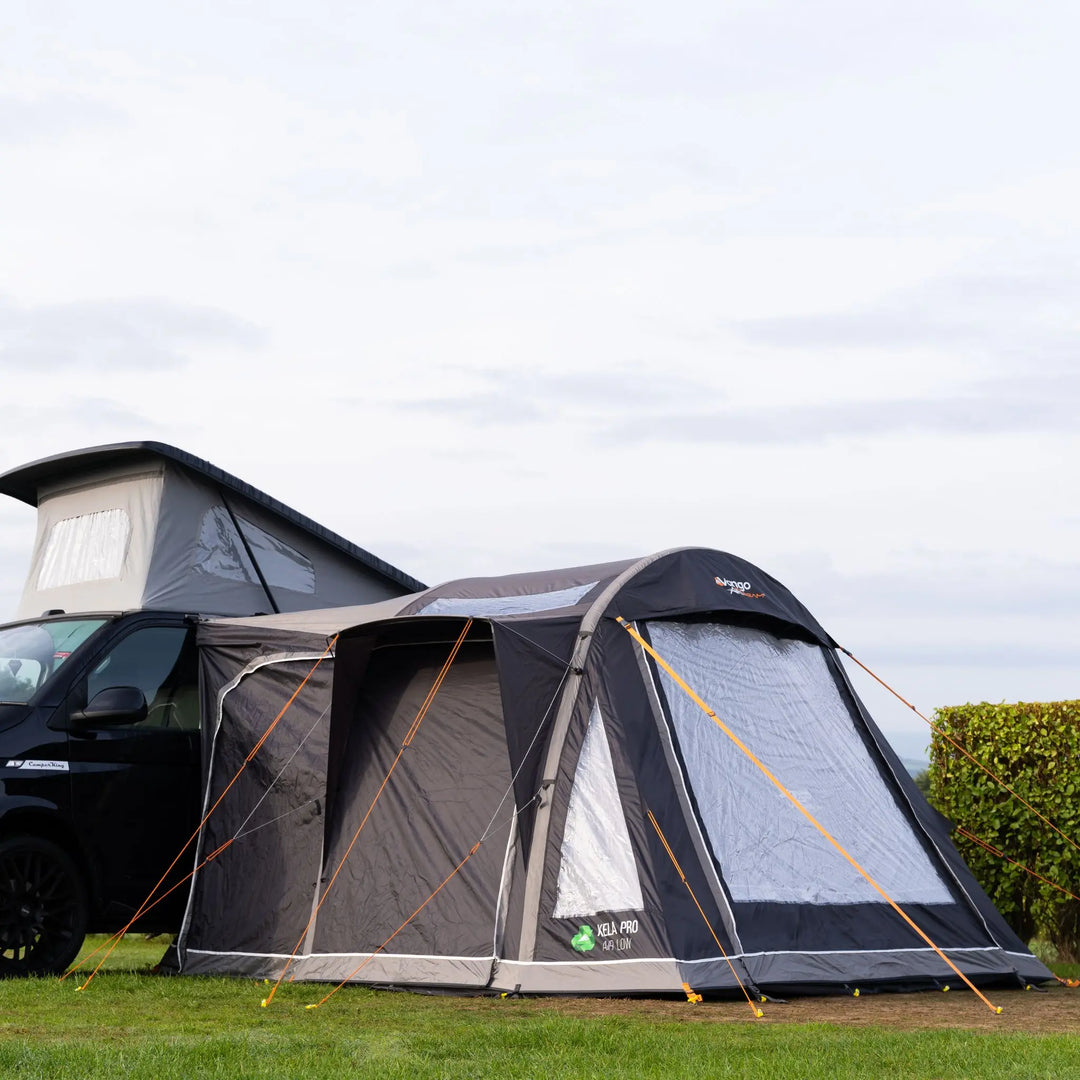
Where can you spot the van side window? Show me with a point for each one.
(161, 661)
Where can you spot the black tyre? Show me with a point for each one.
(43, 907)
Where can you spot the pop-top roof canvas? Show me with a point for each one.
(144, 525)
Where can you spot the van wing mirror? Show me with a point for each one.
(114, 705)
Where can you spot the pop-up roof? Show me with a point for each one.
(145, 525)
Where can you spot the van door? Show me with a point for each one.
(135, 784)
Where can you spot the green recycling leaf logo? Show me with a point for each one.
(584, 940)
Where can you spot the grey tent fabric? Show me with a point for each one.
(546, 814)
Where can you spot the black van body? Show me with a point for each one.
(99, 788)
(99, 716)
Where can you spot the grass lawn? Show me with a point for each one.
(131, 1023)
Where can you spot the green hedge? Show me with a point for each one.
(1035, 749)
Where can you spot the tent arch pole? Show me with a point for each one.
(534, 877)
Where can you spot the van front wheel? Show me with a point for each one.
(43, 907)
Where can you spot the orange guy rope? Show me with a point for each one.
(678, 869)
(1001, 855)
(472, 851)
(1071, 983)
(406, 742)
(115, 939)
(802, 809)
(143, 907)
(938, 730)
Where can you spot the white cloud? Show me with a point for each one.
(92, 337)
(442, 278)
(1043, 203)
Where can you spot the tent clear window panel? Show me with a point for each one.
(780, 699)
(90, 547)
(597, 872)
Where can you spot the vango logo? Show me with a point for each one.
(738, 588)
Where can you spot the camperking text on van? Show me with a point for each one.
(100, 717)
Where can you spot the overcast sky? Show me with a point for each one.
(491, 286)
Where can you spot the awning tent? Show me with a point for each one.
(608, 836)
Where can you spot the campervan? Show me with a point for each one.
(99, 711)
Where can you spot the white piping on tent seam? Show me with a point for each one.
(534, 877)
(511, 837)
(254, 665)
(330, 955)
(705, 849)
(868, 952)
(613, 963)
(914, 816)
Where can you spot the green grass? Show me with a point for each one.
(133, 1024)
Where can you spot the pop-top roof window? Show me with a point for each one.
(90, 547)
(220, 551)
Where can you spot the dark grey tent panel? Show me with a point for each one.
(452, 785)
(145, 525)
(272, 832)
(614, 839)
